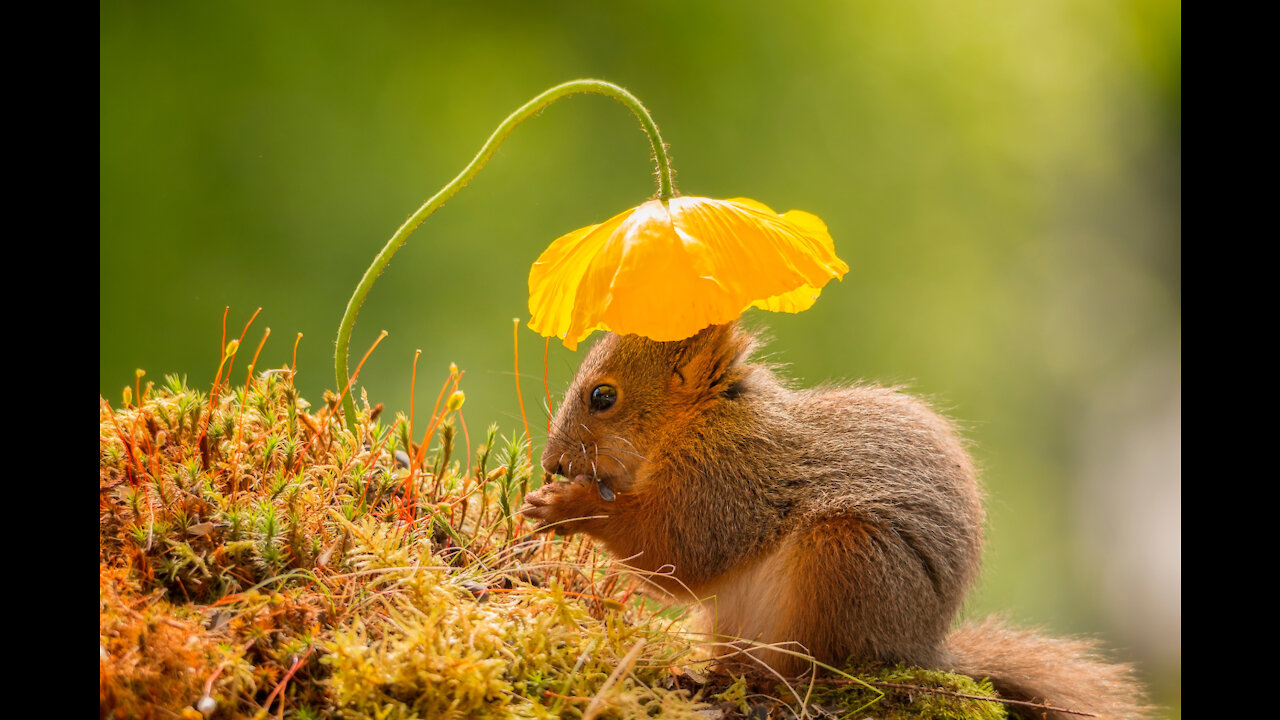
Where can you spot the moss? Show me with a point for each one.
(258, 553)
(920, 693)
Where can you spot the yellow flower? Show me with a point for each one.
(667, 272)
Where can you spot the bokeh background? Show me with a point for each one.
(1003, 177)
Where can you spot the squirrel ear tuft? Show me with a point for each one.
(711, 361)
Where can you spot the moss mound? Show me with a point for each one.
(259, 560)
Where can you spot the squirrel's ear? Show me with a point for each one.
(711, 361)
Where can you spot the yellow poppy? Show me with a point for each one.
(666, 272)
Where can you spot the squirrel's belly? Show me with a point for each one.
(752, 603)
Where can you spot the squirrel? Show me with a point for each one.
(842, 522)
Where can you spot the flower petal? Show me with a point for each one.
(555, 278)
(667, 271)
(797, 300)
(660, 289)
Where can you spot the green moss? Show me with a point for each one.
(255, 548)
(932, 694)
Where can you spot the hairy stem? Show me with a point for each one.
(526, 111)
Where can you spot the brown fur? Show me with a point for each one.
(846, 523)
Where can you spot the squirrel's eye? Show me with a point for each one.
(603, 397)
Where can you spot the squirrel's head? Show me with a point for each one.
(631, 395)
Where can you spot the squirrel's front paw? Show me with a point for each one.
(560, 506)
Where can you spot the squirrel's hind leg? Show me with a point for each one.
(859, 591)
(837, 589)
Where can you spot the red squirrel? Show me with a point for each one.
(845, 522)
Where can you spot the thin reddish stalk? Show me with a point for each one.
(431, 429)
(240, 341)
(229, 362)
(293, 369)
(248, 382)
(436, 417)
(467, 437)
(515, 343)
(324, 423)
(437, 421)
(152, 459)
(413, 467)
(128, 444)
(297, 663)
(356, 374)
(217, 379)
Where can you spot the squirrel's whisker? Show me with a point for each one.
(620, 463)
(629, 452)
(619, 437)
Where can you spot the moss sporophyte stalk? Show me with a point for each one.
(664, 270)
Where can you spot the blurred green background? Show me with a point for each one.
(1003, 177)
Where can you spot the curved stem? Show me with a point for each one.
(529, 109)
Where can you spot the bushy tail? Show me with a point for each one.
(1064, 673)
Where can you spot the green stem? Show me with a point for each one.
(526, 111)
